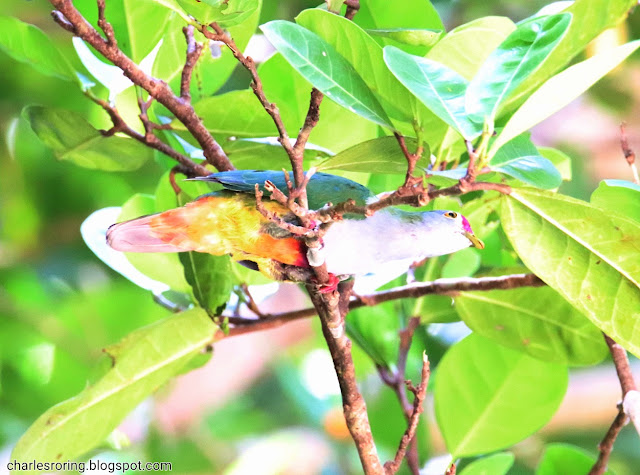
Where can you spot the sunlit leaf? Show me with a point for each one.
(561, 89)
(482, 388)
(72, 138)
(620, 196)
(566, 459)
(28, 44)
(589, 19)
(412, 14)
(560, 160)
(141, 362)
(365, 55)
(439, 88)
(225, 12)
(586, 254)
(518, 56)
(466, 47)
(536, 321)
(319, 63)
(409, 36)
(382, 155)
(496, 464)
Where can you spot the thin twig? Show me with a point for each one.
(629, 154)
(194, 49)
(437, 287)
(395, 380)
(627, 408)
(419, 394)
(69, 18)
(119, 125)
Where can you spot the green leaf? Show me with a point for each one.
(210, 279)
(439, 88)
(488, 397)
(365, 55)
(225, 12)
(173, 5)
(561, 89)
(375, 330)
(161, 266)
(233, 113)
(141, 363)
(536, 321)
(620, 196)
(589, 19)
(131, 19)
(565, 459)
(466, 47)
(267, 153)
(72, 138)
(518, 56)
(413, 14)
(319, 63)
(520, 159)
(409, 36)
(463, 263)
(382, 155)
(586, 254)
(496, 464)
(560, 160)
(28, 44)
(284, 86)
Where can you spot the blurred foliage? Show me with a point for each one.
(60, 306)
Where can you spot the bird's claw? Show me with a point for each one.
(330, 286)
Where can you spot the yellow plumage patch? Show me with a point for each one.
(227, 224)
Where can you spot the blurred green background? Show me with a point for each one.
(266, 399)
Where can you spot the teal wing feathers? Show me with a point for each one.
(322, 188)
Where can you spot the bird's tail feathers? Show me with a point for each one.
(137, 235)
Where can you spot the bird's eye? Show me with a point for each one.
(451, 214)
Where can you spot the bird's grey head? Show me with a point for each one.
(458, 233)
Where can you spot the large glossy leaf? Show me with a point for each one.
(439, 88)
(488, 397)
(518, 56)
(320, 64)
(237, 113)
(588, 255)
(375, 330)
(285, 87)
(409, 36)
(141, 363)
(72, 138)
(536, 321)
(28, 44)
(161, 266)
(466, 47)
(620, 196)
(560, 160)
(365, 55)
(496, 464)
(561, 89)
(382, 155)
(589, 19)
(416, 14)
(130, 20)
(566, 459)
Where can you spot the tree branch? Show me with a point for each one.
(355, 409)
(420, 393)
(437, 287)
(69, 18)
(149, 139)
(628, 408)
(629, 154)
(194, 49)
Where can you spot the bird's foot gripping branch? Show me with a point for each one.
(414, 116)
